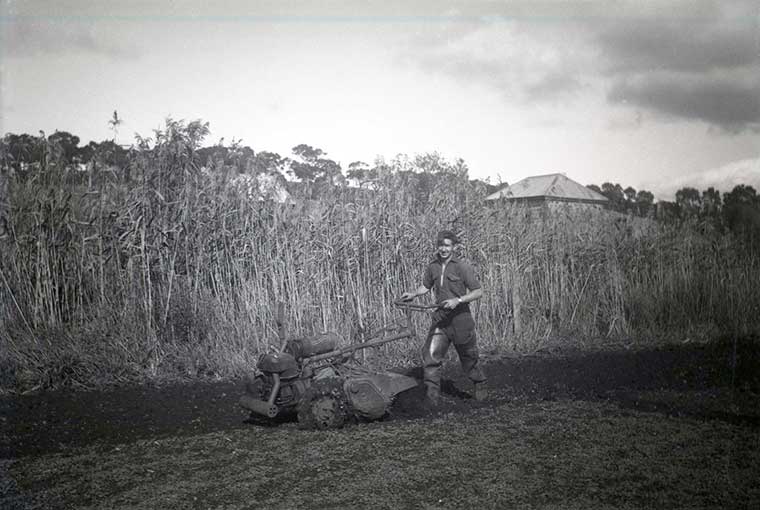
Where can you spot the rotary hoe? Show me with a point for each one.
(321, 383)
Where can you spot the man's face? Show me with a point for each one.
(445, 249)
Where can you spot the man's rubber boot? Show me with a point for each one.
(479, 391)
(434, 395)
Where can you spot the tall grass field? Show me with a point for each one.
(165, 271)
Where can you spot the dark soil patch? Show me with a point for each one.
(719, 385)
(52, 421)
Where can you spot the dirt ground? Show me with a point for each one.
(634, 406)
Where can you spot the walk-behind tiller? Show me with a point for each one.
(321, 383)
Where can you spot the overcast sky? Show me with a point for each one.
(651, 94)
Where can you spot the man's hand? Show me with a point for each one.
(452, 303)
(419, 291)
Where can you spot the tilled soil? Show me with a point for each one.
(711, 381)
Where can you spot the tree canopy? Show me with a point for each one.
(737, 210)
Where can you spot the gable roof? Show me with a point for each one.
(549, 186)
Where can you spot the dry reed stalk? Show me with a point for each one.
(176, 273)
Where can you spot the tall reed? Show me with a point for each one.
(167, 271)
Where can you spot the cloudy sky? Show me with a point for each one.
(651, 94)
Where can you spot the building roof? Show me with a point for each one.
(549, 186)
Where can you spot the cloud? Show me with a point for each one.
(34, 37)
(625, 121)
(691, 61)
(723, 178)
(525, 63)
(687, 46)
(553, 85)
(732, 105)
(695, 68)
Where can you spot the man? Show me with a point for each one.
(455, 286)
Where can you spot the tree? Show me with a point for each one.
(361, 172)
(689, 201)
(741, 209)
(668, 211)
(594, 187)
(17, 152)
(614, 193)
(311, 167)
(268, 163)
(68, 144)
(106, 153)
(711, 202)
(241, 157)
(87, 152)
(237, 157)
(434, 163)
(644, 202)
(213, 157)
(112, 154)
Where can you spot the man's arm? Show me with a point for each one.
(472, 284)
(424, 288)
(471, 296)
(419, 291)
